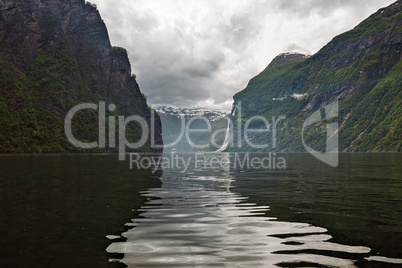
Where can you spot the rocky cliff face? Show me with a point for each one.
(56, 54)
(361, 69)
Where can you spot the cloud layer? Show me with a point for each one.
(200, 53)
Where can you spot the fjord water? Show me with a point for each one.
(56, 211)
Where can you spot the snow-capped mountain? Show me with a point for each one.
(178, 112)
(176, 119)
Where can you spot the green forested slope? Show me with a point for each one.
(53, 58)
(361, 69)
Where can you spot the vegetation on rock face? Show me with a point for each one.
(90, 4)
(119, 51)
(360, 68)
(53, 59)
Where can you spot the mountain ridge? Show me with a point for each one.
(361, 69)
(55, 54)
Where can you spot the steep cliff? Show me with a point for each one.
(55, 54)
(361, 69)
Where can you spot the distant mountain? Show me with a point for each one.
(55, 54)
(361, 69)
(175, 119)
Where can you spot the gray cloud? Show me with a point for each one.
(191, 52)
(323, 8)
(292, 47)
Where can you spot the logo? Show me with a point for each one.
(330, 156)
(226, 134)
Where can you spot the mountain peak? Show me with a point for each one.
(58, 54)
(290, 57)
(360, 70)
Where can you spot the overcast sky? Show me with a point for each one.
(199, 53)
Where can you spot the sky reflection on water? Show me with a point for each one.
(197, 220)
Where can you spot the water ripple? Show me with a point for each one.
(195, 222)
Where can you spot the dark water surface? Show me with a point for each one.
(57, 210)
